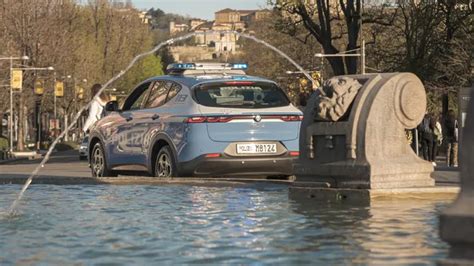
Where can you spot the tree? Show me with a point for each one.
(92, 41)
(335, 25)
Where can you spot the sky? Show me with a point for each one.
(198, 8)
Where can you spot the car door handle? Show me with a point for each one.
(128, 119)
(155, 116)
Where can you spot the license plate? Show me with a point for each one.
(256, 148)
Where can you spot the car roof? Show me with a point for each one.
(191, 81)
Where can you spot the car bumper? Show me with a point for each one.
(230, 166)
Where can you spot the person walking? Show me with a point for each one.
(438, 137)
(96, 110)
(451, 136)
(427, 137)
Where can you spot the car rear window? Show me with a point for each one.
(243, 94)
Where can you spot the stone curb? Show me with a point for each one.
(133, 180)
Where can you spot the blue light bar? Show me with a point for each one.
(242, 66)
(181, 66)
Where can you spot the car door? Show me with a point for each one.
(159, 111)
(127, 139)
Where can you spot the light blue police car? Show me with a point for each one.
(202, 119)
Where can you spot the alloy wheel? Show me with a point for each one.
(98, 162)
(163, 165)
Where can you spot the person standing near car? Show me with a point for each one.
(96, 109)
(451, 135)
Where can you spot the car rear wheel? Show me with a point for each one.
(165, 165)
(98, 163)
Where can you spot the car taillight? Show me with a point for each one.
(294, 153)
(218, 119)
(225, 119)
(208, 119)
(196, 119)
(289, 118)
(213, 155)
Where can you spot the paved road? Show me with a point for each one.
(67, 164)
(62, 164)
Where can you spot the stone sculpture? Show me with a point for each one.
(457, 221)
(336, 95)
(353, 133)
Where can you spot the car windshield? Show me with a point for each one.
(85, 140)
(244, 94)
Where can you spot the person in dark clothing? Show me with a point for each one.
(427, 138)
(451, 136)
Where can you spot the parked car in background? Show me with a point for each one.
(200, 120)
(83, 148)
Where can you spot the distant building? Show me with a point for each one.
(227, 16)
(211, 44)
(230, 16)
(194, 23)
(176, 28)
(145, 17)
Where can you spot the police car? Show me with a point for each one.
(202, 119)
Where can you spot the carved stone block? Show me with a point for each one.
(353, 133)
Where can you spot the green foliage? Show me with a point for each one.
(4, 143)
(147, 67)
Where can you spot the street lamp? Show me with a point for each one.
(345, 54)
(37, 102)
(10, 117)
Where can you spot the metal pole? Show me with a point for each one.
(416, 142)
(363, 57)
(10, 117)
(54, 92)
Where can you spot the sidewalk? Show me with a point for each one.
(445, 175)
(12, 160)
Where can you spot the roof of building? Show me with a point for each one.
(205, 25)
(227, 10)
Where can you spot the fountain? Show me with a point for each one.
(120, 74)
(353, 143)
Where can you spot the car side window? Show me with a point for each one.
(137, 97)
(158, 94)
(174, 90)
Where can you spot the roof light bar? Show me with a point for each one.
(181, 66)
(242, 66)
(207, 66)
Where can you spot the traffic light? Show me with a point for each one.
(59, 89)
(39, 87)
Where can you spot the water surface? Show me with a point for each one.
(176, 224)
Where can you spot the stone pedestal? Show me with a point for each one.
(457, 222)
(353, 134)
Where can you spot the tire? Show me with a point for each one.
(165, 164)
(99, 164)
(82, 158)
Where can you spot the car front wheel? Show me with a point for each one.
(98, 163)
(165, 165)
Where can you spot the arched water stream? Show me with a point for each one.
(13, 206)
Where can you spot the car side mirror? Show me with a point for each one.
(112, 106)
